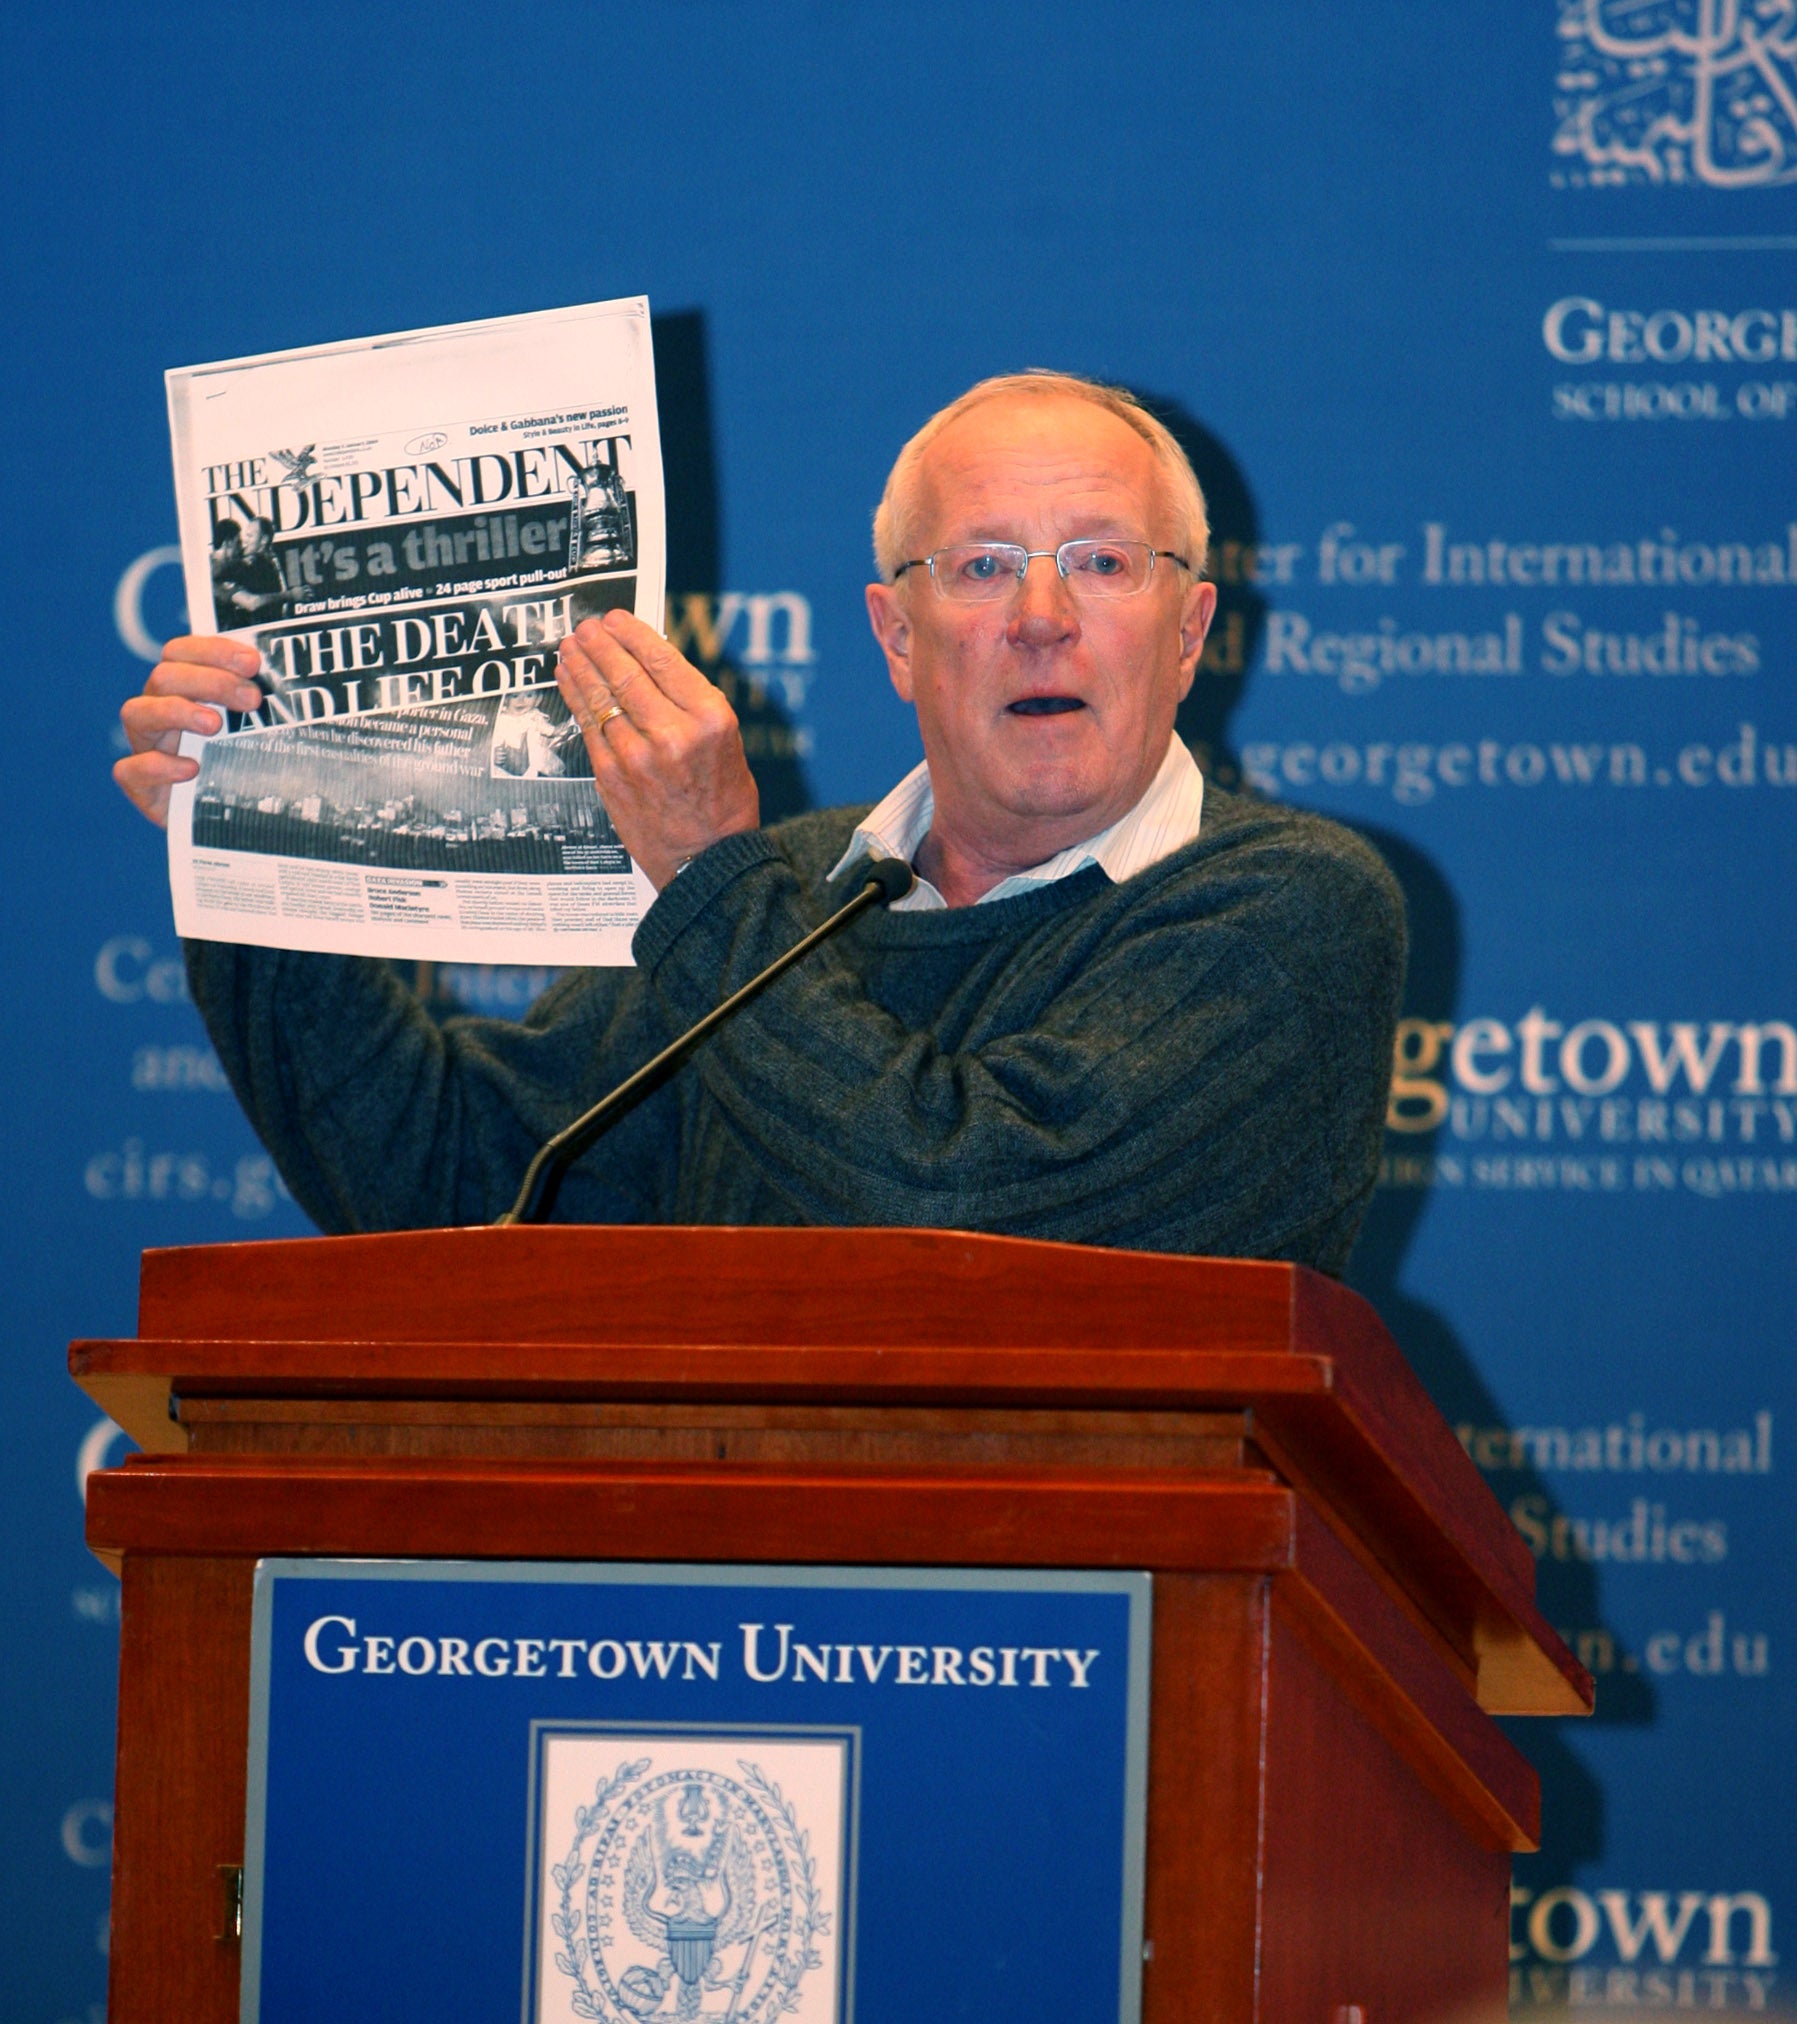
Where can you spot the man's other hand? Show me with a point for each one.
(189, 689)
(666, 748)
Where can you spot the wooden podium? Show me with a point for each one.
(1340, 1605)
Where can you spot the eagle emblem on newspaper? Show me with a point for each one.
(300, 466)
(687, 1894)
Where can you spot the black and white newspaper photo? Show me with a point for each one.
(406, 527)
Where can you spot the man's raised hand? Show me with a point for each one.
(196, 680)
(666, 748)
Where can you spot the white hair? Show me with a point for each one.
(894, 518)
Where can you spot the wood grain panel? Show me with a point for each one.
(998, 1517)
(1204, 1775)
(184, 1688)
(1375, 1895)
(1406, 1685)
(861, 1437)
(1117, 1379)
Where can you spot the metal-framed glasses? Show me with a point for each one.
(982, 572)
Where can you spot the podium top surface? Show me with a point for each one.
(573, 1284)
(857, 1317)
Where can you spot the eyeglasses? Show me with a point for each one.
(982, 572)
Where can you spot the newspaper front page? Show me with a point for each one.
(406, 527)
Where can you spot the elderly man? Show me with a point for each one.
(1119, 1007)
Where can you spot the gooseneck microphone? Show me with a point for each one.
(887, 879)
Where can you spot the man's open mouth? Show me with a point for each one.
(1045, 706)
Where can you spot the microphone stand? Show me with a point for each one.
(888, 879)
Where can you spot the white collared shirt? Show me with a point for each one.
(1166, 817)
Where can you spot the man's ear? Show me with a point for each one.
(1195, 615)
(892, 628)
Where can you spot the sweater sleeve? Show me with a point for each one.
(1202, 1068)
(380, 1118)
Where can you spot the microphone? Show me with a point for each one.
(892, 875)
(886, 879)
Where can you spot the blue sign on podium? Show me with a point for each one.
(623, 1793)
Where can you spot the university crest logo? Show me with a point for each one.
(1688, 92)
(701, 1881)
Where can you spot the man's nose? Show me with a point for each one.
(1042, 612)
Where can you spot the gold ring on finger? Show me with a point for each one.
(605, 717)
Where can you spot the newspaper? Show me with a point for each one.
(444, 505)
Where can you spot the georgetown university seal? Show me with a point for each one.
(688, 1891)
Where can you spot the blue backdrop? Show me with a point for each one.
(1481, 322)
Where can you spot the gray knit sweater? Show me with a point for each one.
(1195, 1060)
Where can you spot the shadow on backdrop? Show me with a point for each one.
(1568, 1590)
(1235, 634)
(700, 623)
